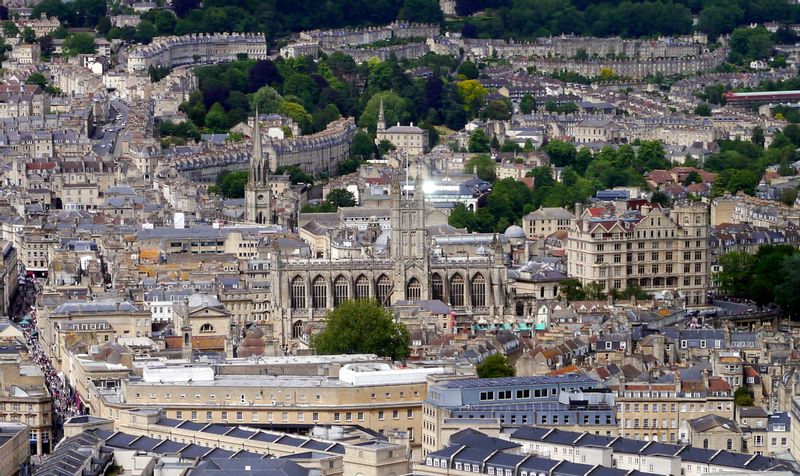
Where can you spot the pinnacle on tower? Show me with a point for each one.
(257, 153)
(381, 126)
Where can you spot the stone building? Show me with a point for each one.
(409, 262)
(14, 449)
(410, 139)
(25, 399)
(652, 248)
(172, 51)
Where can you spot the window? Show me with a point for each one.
(705, 444)
(413, 290)
(340, 290)
(380, 415)
(179, 415)
(383, 288)
(208, 416)
(437, 288)
(224, 416)
(395, 414)
(478, 290)
(320, 293)
(297, 329)
(457, 290)
(298, 293)
(206, 328)
(362, 287)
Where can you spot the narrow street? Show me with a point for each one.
(66, 401)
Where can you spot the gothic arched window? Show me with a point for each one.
(297, 329)
(457, 291)
(413, 290)
(362, 287)
(340, 290)
(478, 290)
(320, 293)
(437, 287)
(382, 290)
(297, 293)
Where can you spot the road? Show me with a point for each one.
(107, 136)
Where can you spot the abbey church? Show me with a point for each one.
(409, 261)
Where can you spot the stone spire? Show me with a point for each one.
(257, 152)
(381, 126)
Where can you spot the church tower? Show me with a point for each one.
(381, 125)
(408, 242)
(258, 193)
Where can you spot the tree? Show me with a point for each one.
(421, 11)
(786, 293)
(660, 198)
(702, 109)
(572, 289)
(527, 104)
(263, 73)
(38, 79)
(692, 177)
(482, 165)
(362, 327)
(297, 113)
(734, 277)
(230, 184)
(561, 153)
(79, 44)
(478, 142)
(10, 29)
(363, 147)
(461, 217)
(468, 69)
(28, 35)
(104, 26)
(742, 398)
(758, 136)
(395, 108)
(472, 94)
(497, 109)
(788, 196)
(495, 366)
(266, 100)
(341, 197)
(216, 119)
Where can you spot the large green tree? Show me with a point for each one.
(78, 44)
(396, 110)
(362, 327)
(495, 366)
(483, 165)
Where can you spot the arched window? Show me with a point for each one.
(457, 291)
(206, 328)
(186, 339)
(413, 290)
(298, 293)
(705, 444)
(437, 289)
(382, 290)
(478, 290)
(362, 287)
(730, 444)
(320, 293)
(297, 329)
(340, 290)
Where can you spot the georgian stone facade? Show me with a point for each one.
(172, 51)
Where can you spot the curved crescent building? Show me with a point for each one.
(172, 51)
